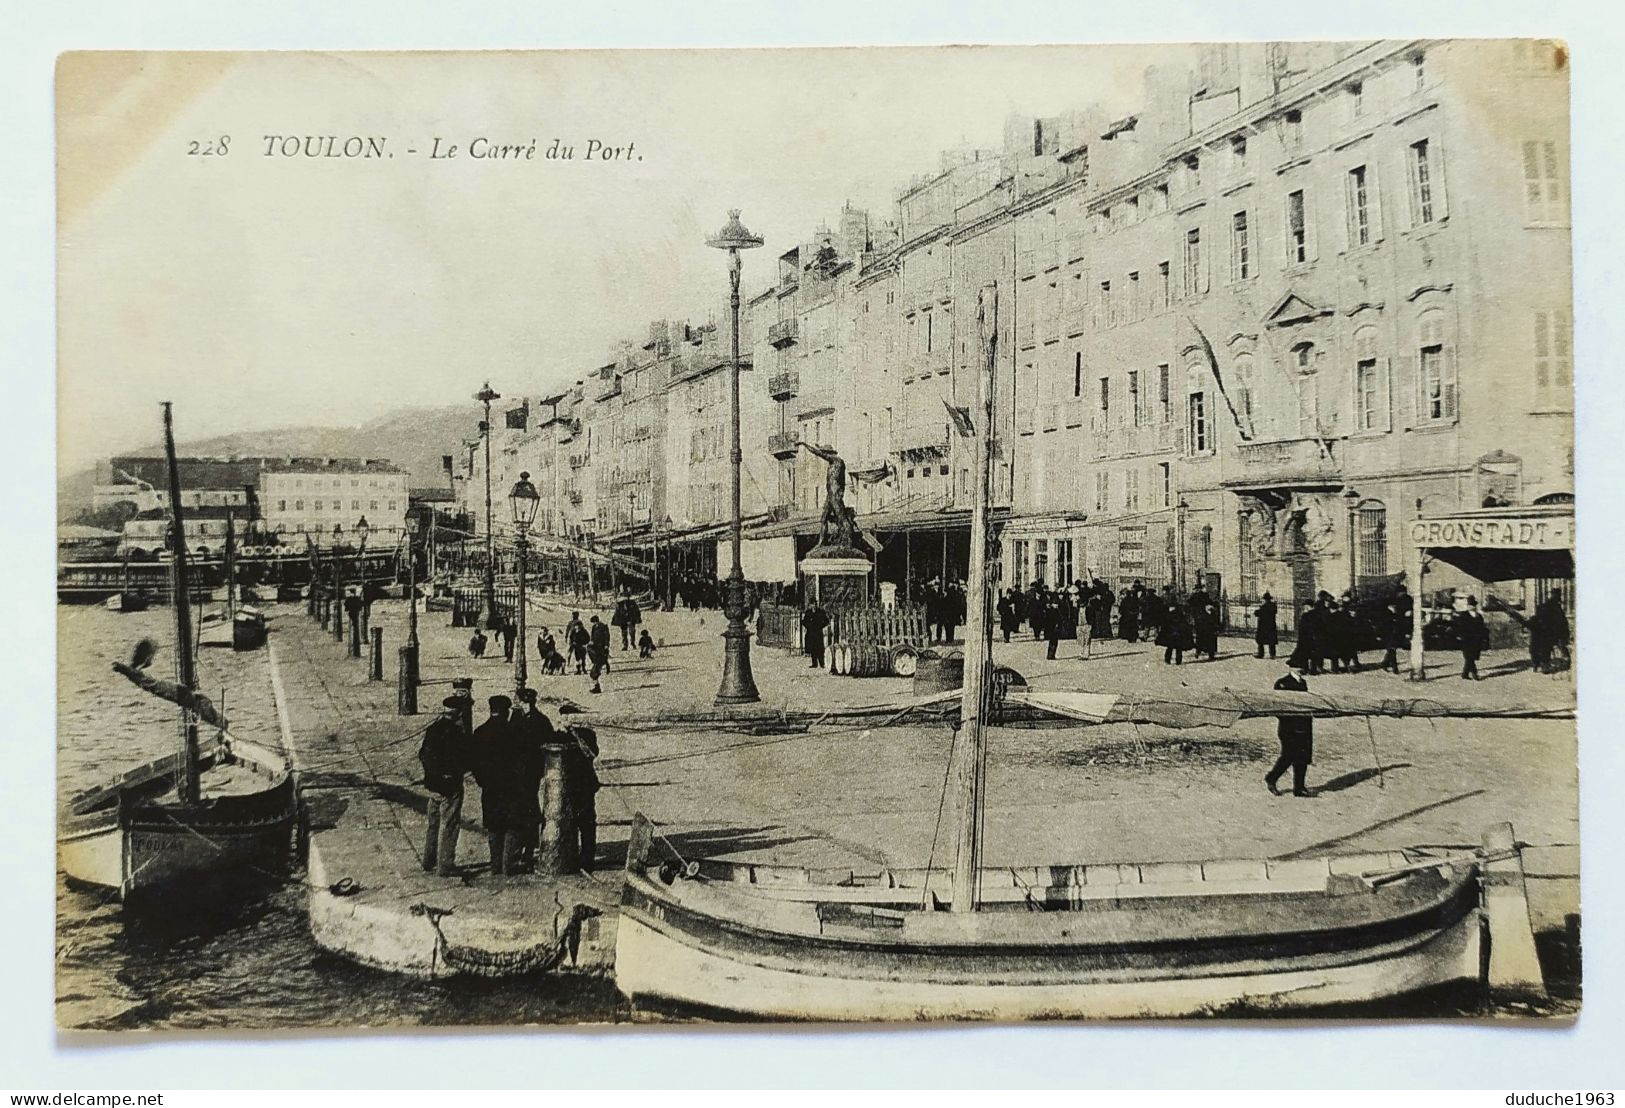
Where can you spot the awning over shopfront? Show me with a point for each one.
(1492, 544)
(1502, 544)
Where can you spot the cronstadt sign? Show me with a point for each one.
(1544, 533)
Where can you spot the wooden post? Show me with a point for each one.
(1514, 967)
(406, 681)
(375, 672)
(1418, 668)
(972, 752)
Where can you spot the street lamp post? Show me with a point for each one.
(406, 686)
(485, 396)
(524, 500)
(738, 686)
(358, 629)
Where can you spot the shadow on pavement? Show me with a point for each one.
(1359, 776)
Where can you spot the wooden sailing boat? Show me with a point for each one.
(1076, 940)
(126, 599)
(219, 809)
(240, 626)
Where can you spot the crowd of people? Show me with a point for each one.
(506, 756)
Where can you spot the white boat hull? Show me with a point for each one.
(650, 965)
(139, 844)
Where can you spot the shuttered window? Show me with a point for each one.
(1545, 192)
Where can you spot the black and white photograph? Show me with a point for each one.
(868, 535)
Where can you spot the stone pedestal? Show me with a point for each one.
(838, 575)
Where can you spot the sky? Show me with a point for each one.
(259, 291)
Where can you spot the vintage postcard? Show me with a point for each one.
(970, 533)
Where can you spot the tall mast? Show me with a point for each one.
(231, 570)
(187, 780)
(972, 764)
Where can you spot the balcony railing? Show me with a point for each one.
(1286, 461)
(782, 444)
(782, 386)
(783, 333)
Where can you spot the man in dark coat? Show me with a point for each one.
(1548, 633)
(1101, 624)
(1008, 619)
(1311, 633)
(1205, 630)
(598, 650)
(1055, 621)
(1264, 633)
(634, 620)
(581, 787)
(1174, 635)
(1297, 735)
(1036, 604)
(497, 769)
(509, 632)
(1018, 606)
(1396, 635)
(813, 622)
(443, 755)
(532, 731)
(577, 639)
(1151, 613)
(1128, 614)
(1472, 635)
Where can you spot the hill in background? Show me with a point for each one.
(412, 438)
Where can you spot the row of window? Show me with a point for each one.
(338, 505)
(338, 483)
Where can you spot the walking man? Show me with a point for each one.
(1297, 735)
(1473, 636)
(510, 630)
(577, 639)
(443, 757)
(598, 650)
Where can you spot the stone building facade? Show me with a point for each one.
(1245, 334)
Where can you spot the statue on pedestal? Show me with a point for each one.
(836, 528)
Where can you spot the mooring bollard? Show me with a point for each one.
(375, 671)
(406, 681)
(559, 844)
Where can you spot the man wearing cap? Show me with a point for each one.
(443, 755)
(462, 690)
(495, 766)
(532, 730)
(1297, 735)
(598, 650)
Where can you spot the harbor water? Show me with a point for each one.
(252, 965)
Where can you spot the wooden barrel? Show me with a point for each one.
(840, 659)
(904, 661)
(935, 675)
(867, 660)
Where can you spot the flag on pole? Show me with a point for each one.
(960, 418)
(1218, 379)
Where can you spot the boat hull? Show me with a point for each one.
(143, 845)
(652, 965)
(1117, 959)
